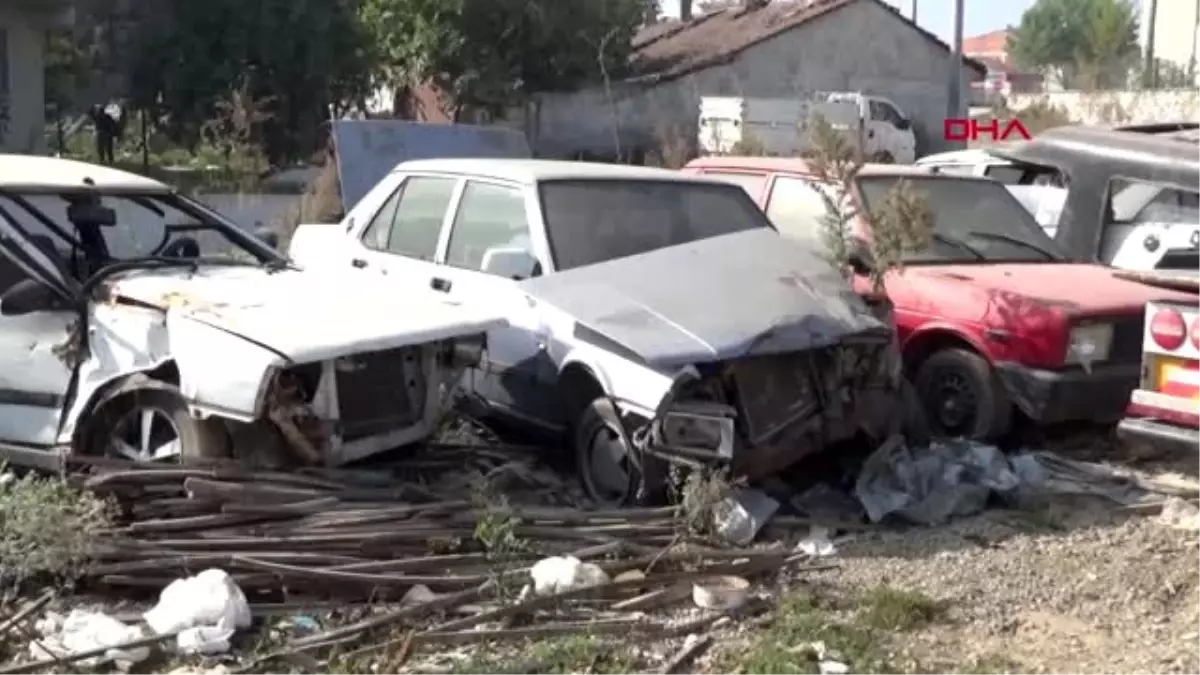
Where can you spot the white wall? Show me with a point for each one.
(1119, 107)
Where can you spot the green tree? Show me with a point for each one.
(1082, 43)
(488, 54)
(301, 56)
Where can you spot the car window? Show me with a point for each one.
(974, 220)
(877, 110)
(1009, 175)
(590, 221)
(796, 207)
(1143, 202)
(891, 115)
(752, 183)
(489, 216)
(417, 210)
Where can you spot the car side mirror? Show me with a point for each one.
(267, 236)
(85, 213)
(510, 263)
(28, 296)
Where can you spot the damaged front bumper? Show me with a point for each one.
(344, 409)
(1098, 394)
(760, 415)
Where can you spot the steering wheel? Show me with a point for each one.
(183, 247)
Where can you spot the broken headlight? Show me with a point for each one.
(1089, 343)
(696, 427)
(465, 352)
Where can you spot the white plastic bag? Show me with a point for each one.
(84, 631)
(559, 574)
(205, 610)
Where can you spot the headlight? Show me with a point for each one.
(1089, 344)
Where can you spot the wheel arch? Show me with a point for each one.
(164, 372)
(926, 342)
(578, 385)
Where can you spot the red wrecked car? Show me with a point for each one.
(994, 319)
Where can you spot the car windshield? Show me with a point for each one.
(87, 231)
(596, 220)
(974, 220)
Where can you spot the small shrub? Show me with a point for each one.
(891, 609)
(48, 529)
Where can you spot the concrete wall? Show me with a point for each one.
(22, 70)
(249, 210)
(829, 53)
(1119, 107)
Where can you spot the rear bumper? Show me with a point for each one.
(1070, 394)
(1158, 434)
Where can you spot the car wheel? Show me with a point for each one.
(914, 424)
(151, 423)
(603, 456)
(883, 157)
(961, 396)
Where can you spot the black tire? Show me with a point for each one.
(642, 486)
(962, 397)
(914, 425)
(883, 157)
(198, 439)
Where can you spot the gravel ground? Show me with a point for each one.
(1079, 588)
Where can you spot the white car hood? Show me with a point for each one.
(307, 316)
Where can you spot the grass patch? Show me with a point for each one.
(891, 609)
(992, 663)
(573, 654)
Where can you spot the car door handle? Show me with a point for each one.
(440, 284)
(358, 263)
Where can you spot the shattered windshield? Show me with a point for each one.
(86, 231)
(974, 220)
(593, 221)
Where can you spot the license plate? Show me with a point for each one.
(1178, 377)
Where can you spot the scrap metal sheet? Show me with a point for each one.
(367, 150)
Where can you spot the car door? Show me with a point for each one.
(35, 373)
(517, 376)
(400, 239)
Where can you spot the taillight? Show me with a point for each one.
(1168, 329)
(1194, 332)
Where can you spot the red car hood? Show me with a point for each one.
(1074, 288)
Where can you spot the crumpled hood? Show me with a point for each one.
(306, 316)
(742, 294)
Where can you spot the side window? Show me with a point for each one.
(489, 216)
(410, 222)
(1133, 202)
(796, 207)
(1009, 175)
(878, 110)
(752, 183)
(892, 115)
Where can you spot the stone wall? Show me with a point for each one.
(1118, 107)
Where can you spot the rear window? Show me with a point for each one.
(593, 221)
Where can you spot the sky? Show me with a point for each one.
(937, 16)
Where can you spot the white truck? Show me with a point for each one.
(781, 126)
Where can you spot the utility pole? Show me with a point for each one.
(1150, 69)
(914, 11)
(954, 83)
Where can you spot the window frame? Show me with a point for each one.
(446, 237)
(401, 186)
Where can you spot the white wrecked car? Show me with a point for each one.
(655, 317)
(137, 323)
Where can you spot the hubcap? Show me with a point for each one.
(953, 403)
(608, 465)
(145, 435)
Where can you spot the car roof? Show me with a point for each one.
(969, 156)
(530, 171)
(35, 172)
(801, 166)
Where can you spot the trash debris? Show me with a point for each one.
(205, 611)
(85, 631)
(417, 595)
(1179, 514)
(833, 668)
(824, 503)
(721, 593)
(817, 543)
(560, 574)
(740, 517)
(930, 485)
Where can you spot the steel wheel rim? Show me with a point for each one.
(954, 402)
(608, 466)
(145, 434)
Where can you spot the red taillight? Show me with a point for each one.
(1168, 329)
(1194, 332)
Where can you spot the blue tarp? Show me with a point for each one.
(367, 150)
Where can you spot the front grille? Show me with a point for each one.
(379, 391)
